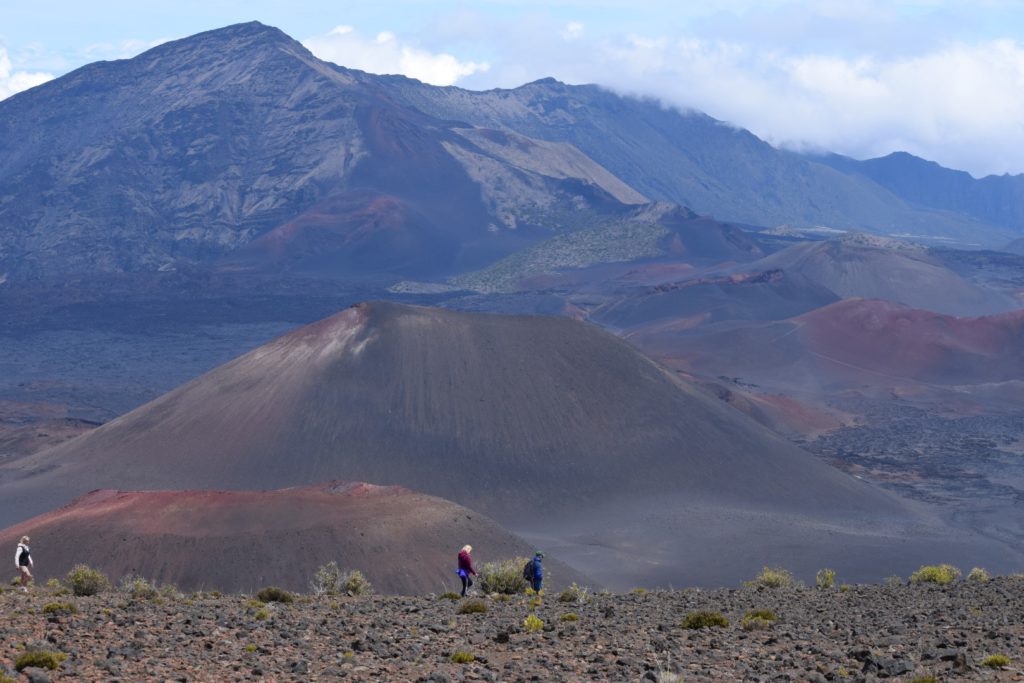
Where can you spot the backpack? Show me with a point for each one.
(528, 571)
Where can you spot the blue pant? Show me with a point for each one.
(538, 584)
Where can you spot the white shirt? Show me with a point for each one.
(17, 555)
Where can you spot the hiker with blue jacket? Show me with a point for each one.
(537, 578)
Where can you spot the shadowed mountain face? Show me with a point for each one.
(403, 542)
(694, 160)
(238, 149)
(240, 137)
(994, 199)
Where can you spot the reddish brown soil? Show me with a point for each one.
(404, 542)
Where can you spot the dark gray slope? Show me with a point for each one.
(548, 425)
(693, 159)
(998, 200)
(491, 411)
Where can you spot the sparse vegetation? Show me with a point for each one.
(473, 607)
(758, 620)
(773, 577)
(327, 580)
(138, 588)
(575, 594)
(893, 581)
(532, 623)
(845, 588)
(696, 620)
(504, 577)
(40, 659)
(60, 608)
(825, 578)
(924, 679)
(355, 583)
(570, 616)
(450, 595)
(463, 657)
(942, 574)
(261, 614)
(331, 580)
(84, 580)
(996, 661)
(978, 574)
(274, 594)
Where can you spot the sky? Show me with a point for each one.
(942, 79)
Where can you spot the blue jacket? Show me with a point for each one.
(538, 569)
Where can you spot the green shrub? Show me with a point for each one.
(575, 594)
(473, 607)
(500, 597)
(274, 594)
(696, 620)
(355, 583)
(170, 591)
(60, 608)
(138, 588)
(250, 648)
(639, 591)
(996, 661)
(570, 616)
(450, 595)
(331, 580)
(463, 657)
(327, 580)
(825, 578)
(84, 580)
(978, 574)
(773, 578)
(505, 577)
(766, 614)
(41, 659)
(924, 679)
(532, 623)
(262, 614)
(758, 620)
(942, 574)
(845, 588)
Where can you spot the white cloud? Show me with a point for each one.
(572, 30)
(962, 105)
(387, 54)
(12, 81)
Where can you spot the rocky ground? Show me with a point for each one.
(855, 633)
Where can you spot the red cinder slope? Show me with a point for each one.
(404, 542)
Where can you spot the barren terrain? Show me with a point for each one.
(851, 633)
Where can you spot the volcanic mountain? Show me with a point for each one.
(238, 149)
(853, 344)
(552, 427)
(867, 266)
(404, 542)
